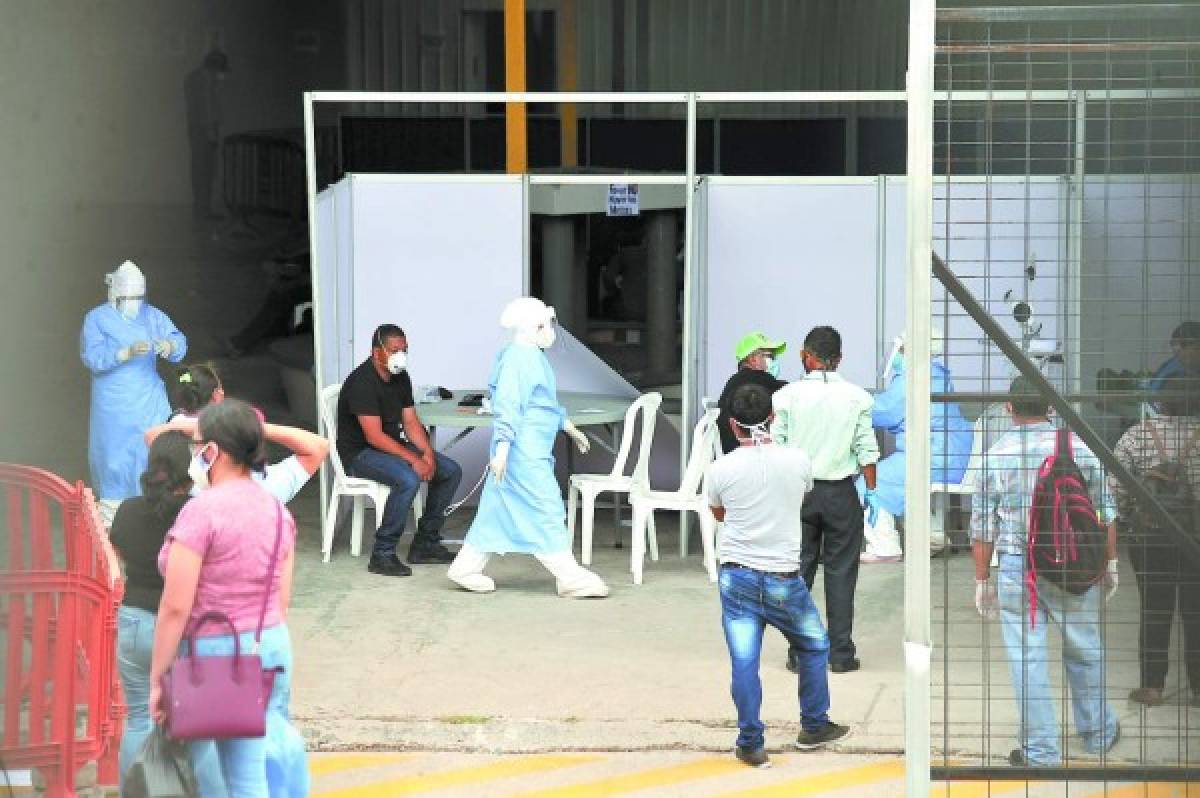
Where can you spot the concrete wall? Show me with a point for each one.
(96, 170)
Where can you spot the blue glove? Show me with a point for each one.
(871, 505)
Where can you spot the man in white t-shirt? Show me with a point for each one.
(758, 490)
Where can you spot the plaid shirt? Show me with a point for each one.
(1137, 451)
(1004, 488)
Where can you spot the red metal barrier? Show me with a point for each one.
(60, 585)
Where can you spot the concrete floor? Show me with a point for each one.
(415, 663)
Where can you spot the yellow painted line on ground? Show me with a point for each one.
(642, 780)
(981, 789)
(823, 782)
(1157, 789)
(338, 763)
(424, 782)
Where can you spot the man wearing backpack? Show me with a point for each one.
(1164, 453)
(1029, 593)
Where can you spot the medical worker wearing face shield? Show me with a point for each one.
(119, 344)
(521, 509)
(950, 439)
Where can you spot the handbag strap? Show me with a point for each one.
(262, 616)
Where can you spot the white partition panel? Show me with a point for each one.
(999, 228)
(438, 255)
(784, 256)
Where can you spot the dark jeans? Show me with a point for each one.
(750, 602)
(1165, 576)
(833, 535)
(392, 470)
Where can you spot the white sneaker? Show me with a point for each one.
(590, 588)
(868, 557)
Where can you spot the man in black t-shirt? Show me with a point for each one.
(758, 364)
(379, 437)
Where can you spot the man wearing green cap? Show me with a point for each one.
(758, 364)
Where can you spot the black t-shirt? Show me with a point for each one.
(138, 532)
(365, 393)
(741, 377)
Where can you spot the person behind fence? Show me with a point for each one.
(380, 437)
(950, 447)
(138, 531)
(758, 491)
(119, 344)
(830, 419)
(757, 364)
(1026, 600)
(216, 558)
(521, 508)
(1185, 356)
(1164, 453)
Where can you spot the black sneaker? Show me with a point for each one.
(429, 554)
(830, 733)
(1016, 758)
(388, 566)
(846, 666)
(754, 757)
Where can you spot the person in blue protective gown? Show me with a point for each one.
(951, 436)
(521, 509)
(120, 343)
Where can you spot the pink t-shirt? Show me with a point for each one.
(232, 527)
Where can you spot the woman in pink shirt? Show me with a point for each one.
(215, 559)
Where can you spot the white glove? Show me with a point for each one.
(1110, 581)
(163, 348)
(581, 441)
(499, 462)
(133, 350)
(986, 603)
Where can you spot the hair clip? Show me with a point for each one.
(185, 376)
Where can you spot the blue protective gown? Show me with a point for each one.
(951, 438)
(525, 512)
(127, 398)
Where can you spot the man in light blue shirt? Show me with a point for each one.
(999, 521)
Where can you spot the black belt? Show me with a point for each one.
(776, 574)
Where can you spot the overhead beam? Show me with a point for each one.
(515, 124)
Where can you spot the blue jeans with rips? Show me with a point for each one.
(392, 470)
(750, 602)
(135, 644)
(1078, 620)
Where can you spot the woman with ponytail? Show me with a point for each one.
(138, 531)
(217, 558)
(195, 388)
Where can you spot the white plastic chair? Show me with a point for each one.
(689, 497)
(589, 486)
(357, 488)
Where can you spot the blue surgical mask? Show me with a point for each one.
(772, 366)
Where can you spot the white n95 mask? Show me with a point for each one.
(129, 307)
(397, 362)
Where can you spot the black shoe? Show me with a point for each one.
(429, 554)
(1016, 758)
(388, 566)
(830, 733)
(846, 666)
(754, 757)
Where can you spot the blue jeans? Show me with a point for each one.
(1078, 619)
(243, 760)
(392, 470)
(751, 601)
(135, 644)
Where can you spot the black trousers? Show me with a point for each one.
(833, 535)
(1165, 577)
(204, 173)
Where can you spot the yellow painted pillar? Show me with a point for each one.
(515, 135)
(568, 60)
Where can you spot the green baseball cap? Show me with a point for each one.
(751, 343)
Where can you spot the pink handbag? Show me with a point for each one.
(221, 697)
